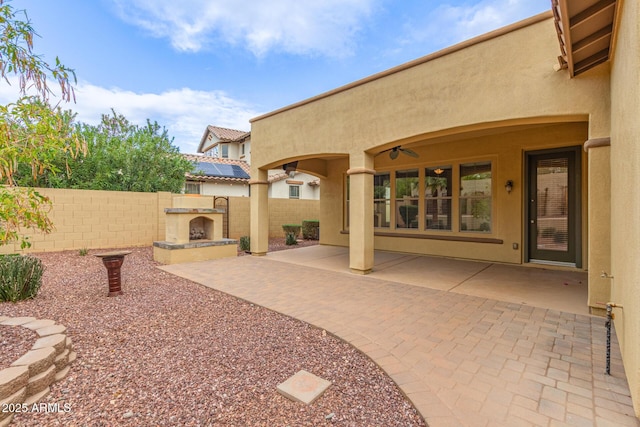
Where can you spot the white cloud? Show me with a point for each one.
(185, 113)
(448, 24)
(325, 27)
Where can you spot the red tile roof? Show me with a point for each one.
(231, 135)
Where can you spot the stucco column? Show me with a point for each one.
(259, 213)
(599, 219)
(361, 212)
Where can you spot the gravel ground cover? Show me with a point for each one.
(170, 352)
(14, 342)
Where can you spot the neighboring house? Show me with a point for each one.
(217, 177)
(225, 149)
(519, 146)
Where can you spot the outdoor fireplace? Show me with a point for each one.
(201, 228)
(188, 224)
(193, 234)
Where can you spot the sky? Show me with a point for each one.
(187, 64)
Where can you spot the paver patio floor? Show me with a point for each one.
(462, 356)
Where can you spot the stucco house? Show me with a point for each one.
(520, 146)
(222, 169)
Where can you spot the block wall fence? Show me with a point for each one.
(91, 219)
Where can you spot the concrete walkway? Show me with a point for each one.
(462, 356)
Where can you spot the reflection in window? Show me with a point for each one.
(407, 198)
(382, 200)
(475, 197)
(437, 184)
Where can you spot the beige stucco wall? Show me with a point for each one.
(507, 79)
(625, 201)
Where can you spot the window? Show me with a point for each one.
(224, 151)
(407, 198)
(437, 192)
(475, 197)
(294, 191)
(242, 149)
(382, 200)
(192, 188)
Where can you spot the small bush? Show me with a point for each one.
(20, 277)
(291, 239)
(291, 228)
(245, 243)
(311, 229)
(83, 252)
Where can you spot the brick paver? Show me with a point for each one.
(462, 360)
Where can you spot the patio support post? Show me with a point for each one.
(599, 220)
(259, 213)
(361, 212)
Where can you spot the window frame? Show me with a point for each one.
(297, 191)
(197, 185)
(477, 198)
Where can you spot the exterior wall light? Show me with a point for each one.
(509, 186)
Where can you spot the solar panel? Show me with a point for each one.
(221, 170)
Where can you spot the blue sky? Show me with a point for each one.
(190, 63)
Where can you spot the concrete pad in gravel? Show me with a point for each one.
(303, 387)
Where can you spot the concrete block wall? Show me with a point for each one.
(290, 211)
(240, 217)
(281, 211)
(94, 219)
(99, 219)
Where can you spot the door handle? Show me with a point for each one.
(532, 221)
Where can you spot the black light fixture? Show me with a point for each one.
(509, 186)
(290, 168)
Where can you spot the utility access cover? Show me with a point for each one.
(303, 387)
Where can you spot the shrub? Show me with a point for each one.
(291, 228)
(245, 243)
(20, 277)
(83, 252)
(311, 229)
(291, 239)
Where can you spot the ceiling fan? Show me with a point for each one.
(395, 151)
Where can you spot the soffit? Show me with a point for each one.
(586, 30)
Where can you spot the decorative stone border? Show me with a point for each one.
(27, 380)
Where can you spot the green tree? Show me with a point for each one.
(32, 132)
(122, 157)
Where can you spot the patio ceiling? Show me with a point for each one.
(586, 29)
